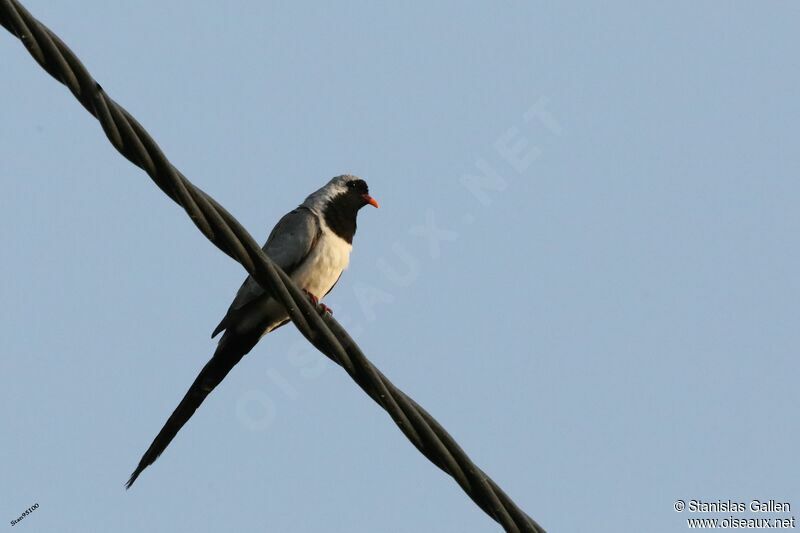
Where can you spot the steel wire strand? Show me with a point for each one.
(225, 232)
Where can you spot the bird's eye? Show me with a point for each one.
(351, 184)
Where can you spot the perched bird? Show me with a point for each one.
(312, 245)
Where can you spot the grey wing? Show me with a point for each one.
(288, 244)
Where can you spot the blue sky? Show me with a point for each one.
(607, 323)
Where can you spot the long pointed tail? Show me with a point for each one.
(230, 351)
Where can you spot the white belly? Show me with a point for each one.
(322, 268)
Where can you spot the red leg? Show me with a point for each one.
(314, 299)
(317, 303)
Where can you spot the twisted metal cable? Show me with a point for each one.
(225, 232)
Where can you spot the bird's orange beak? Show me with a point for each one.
(370, 200)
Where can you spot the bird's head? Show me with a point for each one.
(346, 194)
(339, 201)
(351, 191)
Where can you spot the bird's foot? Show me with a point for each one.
(319, 305)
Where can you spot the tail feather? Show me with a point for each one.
(229, 352)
